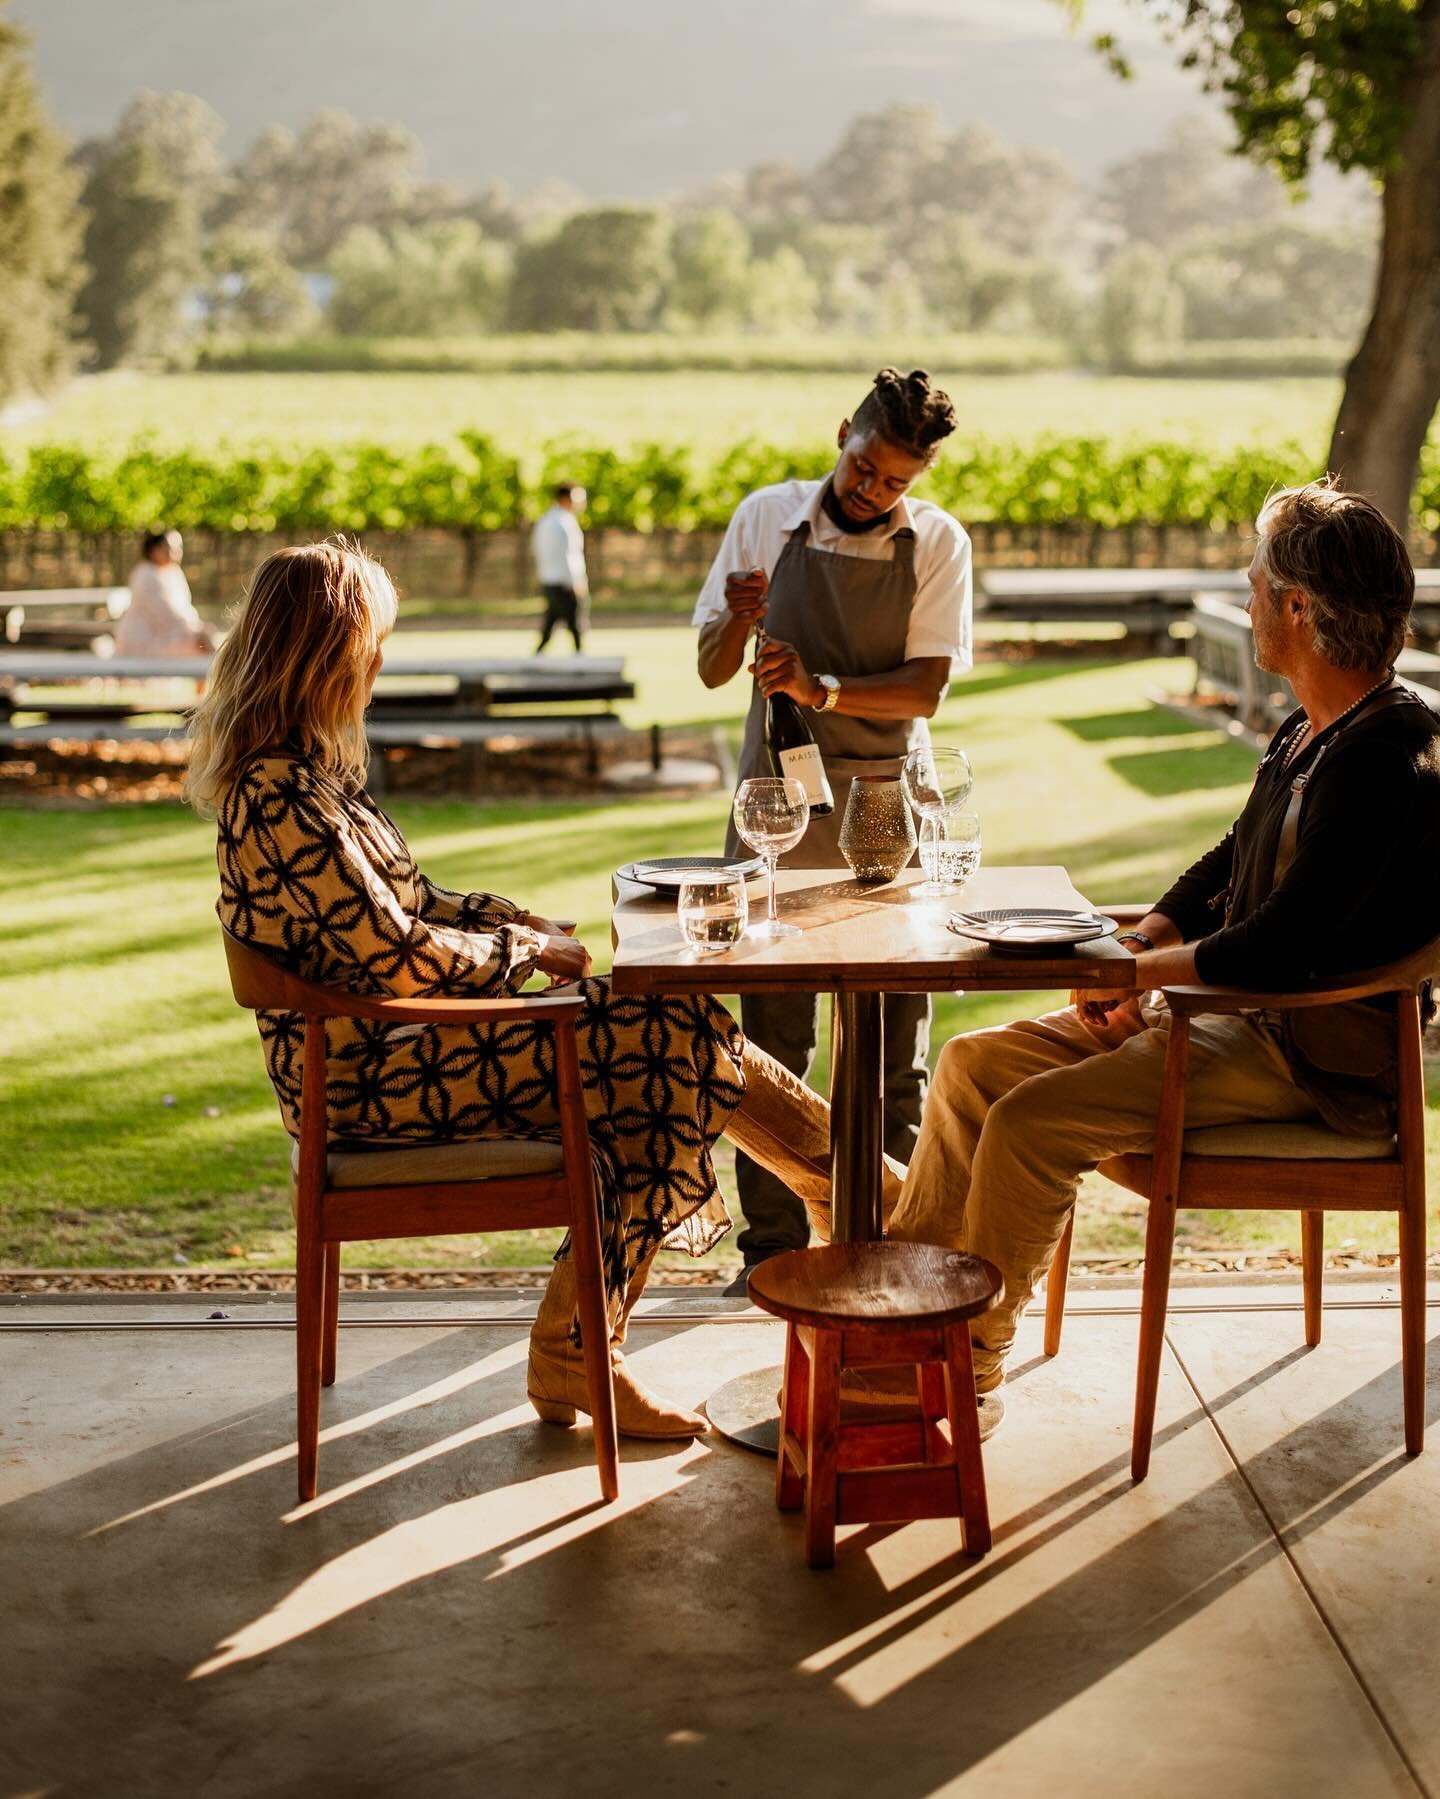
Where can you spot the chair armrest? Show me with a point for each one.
(1400, 977)
(1126, 914)
(449, 1011)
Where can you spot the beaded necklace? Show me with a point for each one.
(1303, 735)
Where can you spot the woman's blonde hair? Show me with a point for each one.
(293, 669)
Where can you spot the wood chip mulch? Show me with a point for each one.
(431, 1280)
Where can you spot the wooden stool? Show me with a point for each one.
(867, 1305)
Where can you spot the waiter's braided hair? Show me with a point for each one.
(907, 410)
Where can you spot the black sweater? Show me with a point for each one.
(1364, 886)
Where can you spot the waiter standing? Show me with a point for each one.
(865, 599)
(558, 545)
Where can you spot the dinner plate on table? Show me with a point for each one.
(667, 873)
(1020, 929)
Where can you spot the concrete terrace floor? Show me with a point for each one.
(456, 1613)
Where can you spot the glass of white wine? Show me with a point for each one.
(937, 783)
(771, 814)
(714, 910)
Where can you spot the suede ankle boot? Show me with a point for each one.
(557, 1385)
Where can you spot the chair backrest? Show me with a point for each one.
(261, 983)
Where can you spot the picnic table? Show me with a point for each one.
(57, 617)
(429, 701)
(1147, 601)
(1223, 648)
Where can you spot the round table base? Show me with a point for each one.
(747, 1410)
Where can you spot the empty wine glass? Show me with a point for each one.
(937, 783)
(771, 814)
(713, 912)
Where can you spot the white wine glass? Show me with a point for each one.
(713, 911)
(937, 783)
(771, 814)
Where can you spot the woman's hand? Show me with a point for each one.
(549, 927)
(562, 958)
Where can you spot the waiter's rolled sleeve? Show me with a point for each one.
(940, 617)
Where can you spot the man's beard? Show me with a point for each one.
(853, 527)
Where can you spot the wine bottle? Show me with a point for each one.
(795, 753)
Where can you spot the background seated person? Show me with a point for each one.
(1017, 1114)
(161, 619)
(314, 873)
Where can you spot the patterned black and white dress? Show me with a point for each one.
(319, 875)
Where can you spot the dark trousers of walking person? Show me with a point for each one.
(787, 1024)
(562, 607)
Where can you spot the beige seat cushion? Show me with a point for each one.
(437, 1164)
(1287, 1143)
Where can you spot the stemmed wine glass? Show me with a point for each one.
(771, 813)
(936, 782)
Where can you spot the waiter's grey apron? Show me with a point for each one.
(849, 615)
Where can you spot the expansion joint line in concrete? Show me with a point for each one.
(1306, 1586)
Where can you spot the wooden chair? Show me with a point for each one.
(866, 1305)
(421, 1190)
(1307, 1168)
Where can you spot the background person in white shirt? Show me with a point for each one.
(558, 546)
(161, 619)
(865, 596)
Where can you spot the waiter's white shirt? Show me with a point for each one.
(940, 617)
(558, 546)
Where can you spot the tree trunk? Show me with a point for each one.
(1392, 385)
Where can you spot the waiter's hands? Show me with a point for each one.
(746, 592)
(778, 669)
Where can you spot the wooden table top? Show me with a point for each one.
(880, 939)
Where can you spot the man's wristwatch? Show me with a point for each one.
(832, 692)
(1135, 937)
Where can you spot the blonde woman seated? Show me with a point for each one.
(314, 872)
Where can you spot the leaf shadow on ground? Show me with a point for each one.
(1151, 721)
(1161, 774)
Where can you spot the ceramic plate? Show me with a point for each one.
(666, 873)
(1032, 927)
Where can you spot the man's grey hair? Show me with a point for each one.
(1349, 561)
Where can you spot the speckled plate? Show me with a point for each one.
(667, 873)
(1022, 928)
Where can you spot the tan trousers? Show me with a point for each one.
(1017, 1113)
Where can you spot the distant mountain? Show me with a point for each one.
(635, 97)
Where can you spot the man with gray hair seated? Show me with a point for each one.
(1333, 865)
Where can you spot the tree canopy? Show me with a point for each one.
(39, 231)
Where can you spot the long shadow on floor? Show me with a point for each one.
(457, 1613)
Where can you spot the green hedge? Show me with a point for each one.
(477, 486)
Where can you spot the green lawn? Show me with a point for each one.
(142, 1126)
(709, 410)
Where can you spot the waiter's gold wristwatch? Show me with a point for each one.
(832, 693)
